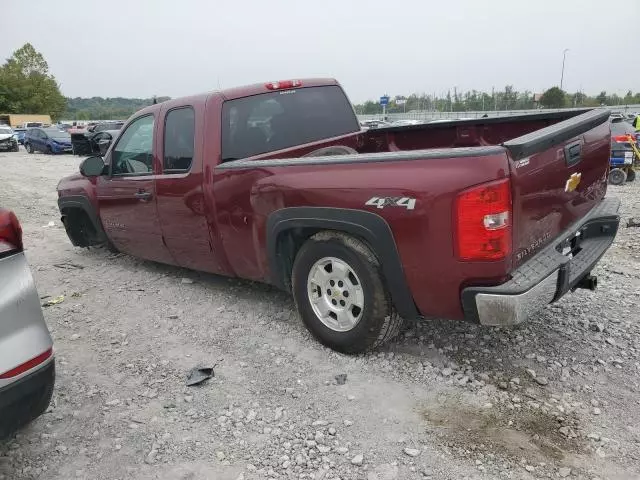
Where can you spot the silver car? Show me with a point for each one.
(27, 367)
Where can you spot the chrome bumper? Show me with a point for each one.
(501, 310)
(548, 275)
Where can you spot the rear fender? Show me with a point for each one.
(366, 225)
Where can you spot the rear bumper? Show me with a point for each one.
(25, 399)
(57, 148)
(548, 275)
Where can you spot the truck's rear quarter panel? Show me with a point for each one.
(247, 196)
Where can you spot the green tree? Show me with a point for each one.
(27, 85)
(553, 98)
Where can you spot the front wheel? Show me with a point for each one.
(29, 147)
(617, 176)
(340, 293)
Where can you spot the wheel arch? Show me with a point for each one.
(289, 228)
(79, 203)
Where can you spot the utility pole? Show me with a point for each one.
(564, 56)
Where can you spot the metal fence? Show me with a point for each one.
(424, 115)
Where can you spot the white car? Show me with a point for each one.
(27, 367)
(8, 140)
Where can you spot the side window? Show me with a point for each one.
(133, 154)
(179, 131)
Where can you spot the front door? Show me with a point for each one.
(126, 196)
(37, 140)
(185, 215)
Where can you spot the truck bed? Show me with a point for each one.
(556, 163)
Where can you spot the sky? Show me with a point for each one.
(140, 48)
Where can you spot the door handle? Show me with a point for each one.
(142, 195)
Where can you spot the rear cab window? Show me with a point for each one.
(276, 120)
(179, 136)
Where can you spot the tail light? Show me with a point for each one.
(10, 233)
(283, 84)
(483, 216)
(28, 365)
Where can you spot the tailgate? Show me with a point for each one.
(558, 174)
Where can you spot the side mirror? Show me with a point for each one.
(92, 166)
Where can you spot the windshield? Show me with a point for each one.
(57, 134)
(274, 121)
(4, 131)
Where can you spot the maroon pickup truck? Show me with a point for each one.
(485, 220)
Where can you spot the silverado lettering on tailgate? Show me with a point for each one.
(533, 247)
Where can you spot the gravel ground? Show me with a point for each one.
(558, 397)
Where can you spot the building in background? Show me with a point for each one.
(15, 119)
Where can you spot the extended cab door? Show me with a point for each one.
(185, 209)
(126, 196)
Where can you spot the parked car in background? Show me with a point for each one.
(485, 220)
(20, 133)
(32, 125)
(623, 155)
(101, 127)
(95, 139)
(400, 123)
(8, 139)
(47, 140)
(27, 368)
(367, 124)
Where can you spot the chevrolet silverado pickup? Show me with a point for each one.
(485, 220)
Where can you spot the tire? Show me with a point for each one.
(631, 175)
(29, 147)
(49, 151)
(110, 246)
(358, 294)
(617, 176)
(16, 148)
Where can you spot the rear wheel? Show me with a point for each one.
(29, 147)
(631, 175)
(339, 290)
(617, 176)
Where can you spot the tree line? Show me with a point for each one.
(506, 99)
(27, 86)
(98, 108)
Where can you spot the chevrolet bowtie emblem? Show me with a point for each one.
(573, 182)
